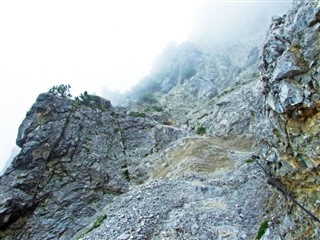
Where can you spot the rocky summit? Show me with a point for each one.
(219, 144)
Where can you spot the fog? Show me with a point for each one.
(104, 45)
(232, 21)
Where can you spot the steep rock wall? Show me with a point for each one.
(288, 129)
(74, 159)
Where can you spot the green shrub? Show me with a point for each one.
(137, 114)
(92, 101)
(126, 175)
(263, 228)
(85, 98)
(227, 91)
(99, 221)
(201, 131)
(157, 108)
(249, 160)
(61, 90)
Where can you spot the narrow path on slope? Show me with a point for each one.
(201, 155)
(203, 188)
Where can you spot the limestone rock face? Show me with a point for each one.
(288, 129)
(201, 188)
(229, 113)
(187, 77)
(74, 159)
(175, 163)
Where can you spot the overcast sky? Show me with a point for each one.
(88, 44)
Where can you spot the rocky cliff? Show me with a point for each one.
(288, 124)
(143, 174)
(194, 87)
(175, 163)
(74, 159)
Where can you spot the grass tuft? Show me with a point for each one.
(262, 230)
(249, 160)
(201, 131)
(137, 114)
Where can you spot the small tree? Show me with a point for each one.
(201, 131)
(85, 98)
(61, 90)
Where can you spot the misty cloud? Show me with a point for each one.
(231, 21)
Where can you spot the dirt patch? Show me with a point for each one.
(213, 204)
(204, 155)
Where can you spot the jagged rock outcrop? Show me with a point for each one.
(288, 130)
(74, 159)
(229, 113)
(196, 88)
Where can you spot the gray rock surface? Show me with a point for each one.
(207, 191)
(229, 113)
(176, 162)
(74, 159)
(288, 124)
(210, 74)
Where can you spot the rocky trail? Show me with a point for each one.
(204, 188)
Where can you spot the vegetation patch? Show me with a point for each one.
(126, 174)
(91, 100)
(85, 98)
(249, 160)
(75, 106)
(201, 131)
(263, 228)
(227, 91)
(157, 108)
(62, 90)
(137, 114)
(95, 225)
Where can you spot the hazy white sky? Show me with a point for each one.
(88, 44)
